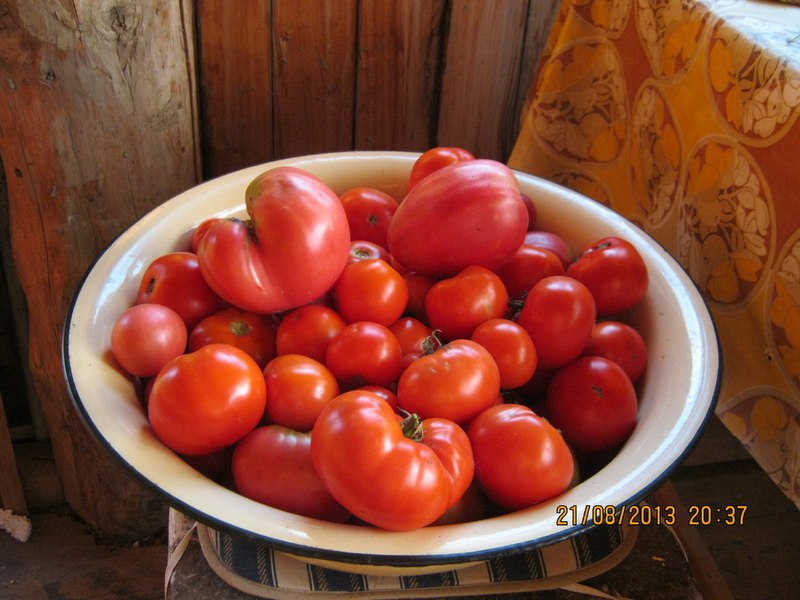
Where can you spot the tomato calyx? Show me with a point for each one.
(411, 425)
(433, 342)
(240, 328)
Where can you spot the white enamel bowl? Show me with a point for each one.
(677, 396)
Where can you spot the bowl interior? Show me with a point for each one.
(677, 397)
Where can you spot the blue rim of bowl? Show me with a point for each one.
(353, 558)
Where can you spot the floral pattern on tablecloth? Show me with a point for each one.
(683, 116)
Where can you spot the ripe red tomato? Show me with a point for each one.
(520, 459)
(512, 350)
(532, 212)
(369, 212)
(593, 403)
(434, 159)
(206, 400)
(418, 286)
(550, 241)
(527, 267)
(467, 213)
(457, 305)
(411, 333)
(288, 254)
(175, 280)
(252, 332)
(558, 314)
(272, 465)
(456, 382)
(621, 343)
(364, 353)
(370, 290)
(614, 272)
(200, 231)
(364, 250)
(384, 392)
(376, 468)
(146, 337)
(308, 330)
(298, 388)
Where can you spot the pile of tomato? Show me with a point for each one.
(392, 363)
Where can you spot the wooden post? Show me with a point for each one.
(97, 127)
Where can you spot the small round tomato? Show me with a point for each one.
(298, 388)
(175, 280)
(364, 353)
(370, 290)
(614, 272)
(369, 212)
(272, 465)
(434, 159)
(308, 330)
(526, 268)
(457, 305)
(206, 400)
(512, 350)
(146, 337)
(418, 286)
(593, 403)
(558, 314)
(455, 382)
(520, 459)
(364, 250)
(411, 333)
(621, 343)
(550, 241)
(252, 332)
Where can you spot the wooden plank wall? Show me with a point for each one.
(281, 78)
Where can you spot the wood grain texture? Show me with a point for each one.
(235, 65)
(314, 58)
(399, 47)
(96, 113)
(480, 80)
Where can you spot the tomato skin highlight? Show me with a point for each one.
(520, 459)
(370, 290)
(372, 469)
(290, 252)
(206, 400)
(467, 213)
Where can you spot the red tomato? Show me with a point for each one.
(471, 507)
(175, 280)
(614, 272)
(621, 343)
(364, 353)
(384, 392)
(378, 473)
(512, 350)
(456, 306)
(434, 159)
(411, 333)
(467, 213)
(370, 290)
(298, 388)
(308, 330)
(520, 459)
(146, 337)
(369, 212)
(272, 465)
(252, 332)
(456, 382)
(593, 403)
(200, 231)
(206, 400)
(288, 254)
(532, 213)
(558, 314)
(550, 241)
(364, 250)
(418, 286)
(526, 268)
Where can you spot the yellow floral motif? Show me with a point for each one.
(609, 15)
(579, 108)
(726, 222)
(768, 417)
(784, 312)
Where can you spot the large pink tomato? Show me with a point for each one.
(467, 213)
(291, 250)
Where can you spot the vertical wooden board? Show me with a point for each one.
(399, 45)
(541, 16)
(235, 82)
(96, 129)
(481, 76)
(11, 494)
(314, 64)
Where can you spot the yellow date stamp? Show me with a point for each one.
(646, 514)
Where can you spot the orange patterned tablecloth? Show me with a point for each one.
(683, 116)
